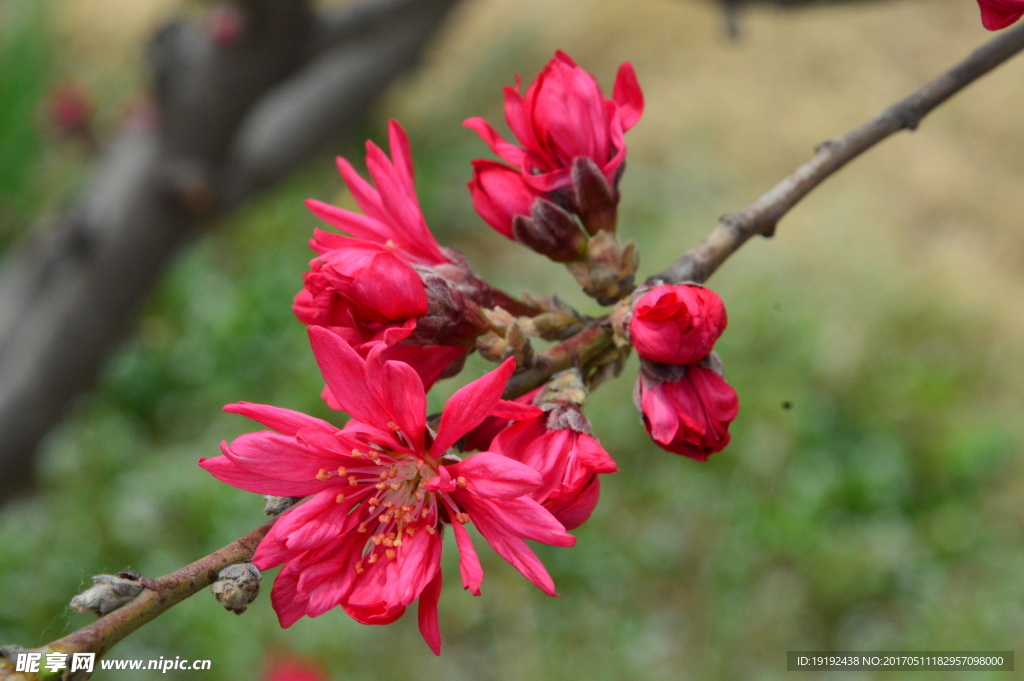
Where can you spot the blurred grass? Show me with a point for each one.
(881, 510)
(23, 79)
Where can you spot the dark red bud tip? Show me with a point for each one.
(551, 231)
(596, 201)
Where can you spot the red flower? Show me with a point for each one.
(367, 289)
(564, 115)
(293, 669)
(560, 446)
(997, 14)
(392, 215)
(677, 324)
(686, 408)
(382, 489)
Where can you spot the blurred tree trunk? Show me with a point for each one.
(238, 106)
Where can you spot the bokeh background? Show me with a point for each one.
(873, 494)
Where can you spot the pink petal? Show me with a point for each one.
(367, 198)
(516, 411)
(593, 456)
(278, 456)
(628, 95)
(469, 406)
(226, 471)
(359, 226)
(401, 154)
(999, 15)
(469, 563)
(508, 152)
(284, 421)
(495, 476)
(287, 604)
(345, 373)
(427, 614)
(509, 546)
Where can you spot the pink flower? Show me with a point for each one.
(382, 490)
(997, 14)
(686, 408)
(564, 115)
(559, 445)
(392, 215)
(677, 324)
(368, 289)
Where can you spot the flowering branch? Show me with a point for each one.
(387, 469)
(761, 216)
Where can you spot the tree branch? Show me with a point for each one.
(233, 119)
(761, 216)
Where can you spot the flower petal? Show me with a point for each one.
(495, 476)
(470, 405)
(284, 421)
(427, 614)
(628, 95)
(469, 562)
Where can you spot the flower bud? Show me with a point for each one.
(108, 593)
(237, 586)
(609, 270)
(596, 201)
(278, 505)
(686, 408)
(677, 324)
(551, 231)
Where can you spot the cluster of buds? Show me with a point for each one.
(680, 392)
(558, 193)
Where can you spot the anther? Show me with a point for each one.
(390, 243)
(374, 501)
(340, 498)
(425, 512)
(380, 485)
(383, 476)
(431, 530)
(341, 471)
(384, 518)
(393, 426)
(461, 482)
(361, 528)
(323, 475)
(359, 568)
(374, 558)
(396, 486)
(387, 504)
(420, 496)
(352, 480)
(390, 553)
(356, 454)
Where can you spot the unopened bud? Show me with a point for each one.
(108, 593)
(565, 387)
(452, 317)
(609, 270)
(550, 231)
(278, 505)
(237, 586)
(596, 201)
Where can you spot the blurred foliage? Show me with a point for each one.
(23, 79)
(870, 498)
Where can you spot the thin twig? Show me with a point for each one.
(159, 596)
(761, 217)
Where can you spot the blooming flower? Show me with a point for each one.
(686, 408)
(997, 14)
(368, 289)
(383, 488)
(559, 445)
(563, 117)
(677, 324)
